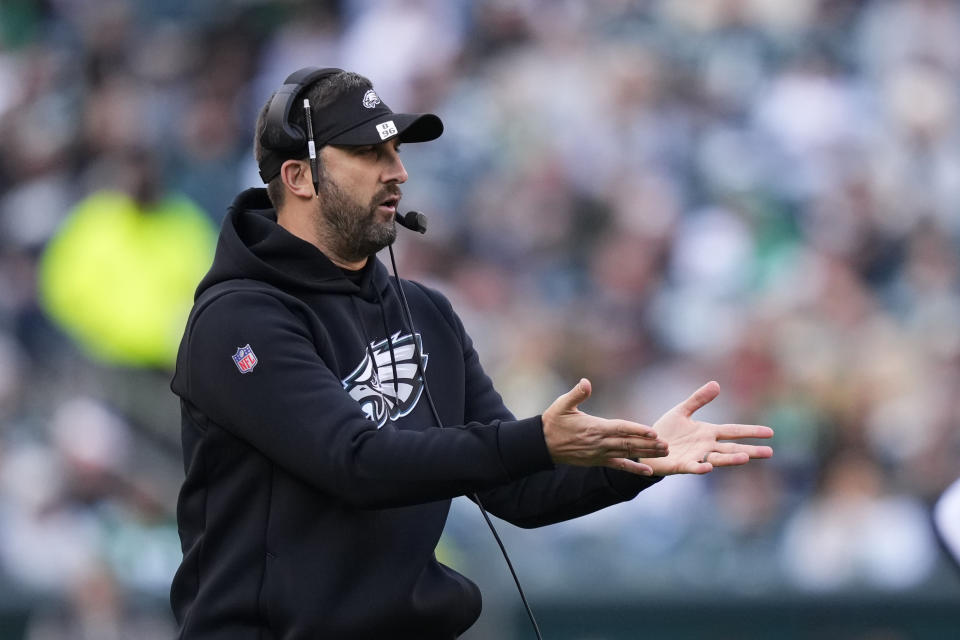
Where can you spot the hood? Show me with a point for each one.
(253, 246)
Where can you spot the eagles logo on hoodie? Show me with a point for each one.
(372, 382)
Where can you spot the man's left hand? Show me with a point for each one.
(697, 447)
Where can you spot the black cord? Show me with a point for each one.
(516, 580)
(436, 416)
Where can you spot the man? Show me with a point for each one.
(319, 467)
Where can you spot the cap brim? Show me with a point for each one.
(410, 127)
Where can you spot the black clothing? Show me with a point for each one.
(317, 485)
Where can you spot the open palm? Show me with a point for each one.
(696, 447)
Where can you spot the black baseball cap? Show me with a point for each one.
(358, 117)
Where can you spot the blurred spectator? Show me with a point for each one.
(856, 534)
(120, 273)
(44, 543)
(96, 610)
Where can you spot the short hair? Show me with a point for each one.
(320, 93)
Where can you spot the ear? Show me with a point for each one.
(296, 178)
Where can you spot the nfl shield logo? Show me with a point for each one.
(245, 359)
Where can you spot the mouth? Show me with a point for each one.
(390, 204)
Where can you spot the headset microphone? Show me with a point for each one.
(413, 220)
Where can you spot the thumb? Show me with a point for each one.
(580, 392)
(701, 397)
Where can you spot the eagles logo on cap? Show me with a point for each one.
(371, 99)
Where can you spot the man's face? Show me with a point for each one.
(359, 194)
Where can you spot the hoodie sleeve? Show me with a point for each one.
(292, 408)
(548, 496)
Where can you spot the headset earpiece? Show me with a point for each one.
(279, 134)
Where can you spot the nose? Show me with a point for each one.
(394, 172)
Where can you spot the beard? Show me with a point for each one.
(352, 230)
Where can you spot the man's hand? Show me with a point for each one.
(576, 438)
(695, 446)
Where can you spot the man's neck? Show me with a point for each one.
(300, 225)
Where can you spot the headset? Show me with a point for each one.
(279, 134)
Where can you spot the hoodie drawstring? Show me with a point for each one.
(368, 343)
(386, 330)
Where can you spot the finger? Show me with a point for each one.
(580, 392)
(629, 466)
(753, 451)
(645, 450)
(698, 468)
(658, 449)
(626, 428)
(728, 459)
(736, 431)
(700, 397)
(632, 440)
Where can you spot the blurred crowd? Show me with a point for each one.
(648, 193)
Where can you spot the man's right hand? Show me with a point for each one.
(576, 438)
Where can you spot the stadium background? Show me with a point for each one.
(650, 193)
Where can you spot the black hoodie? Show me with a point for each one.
(317, 483)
